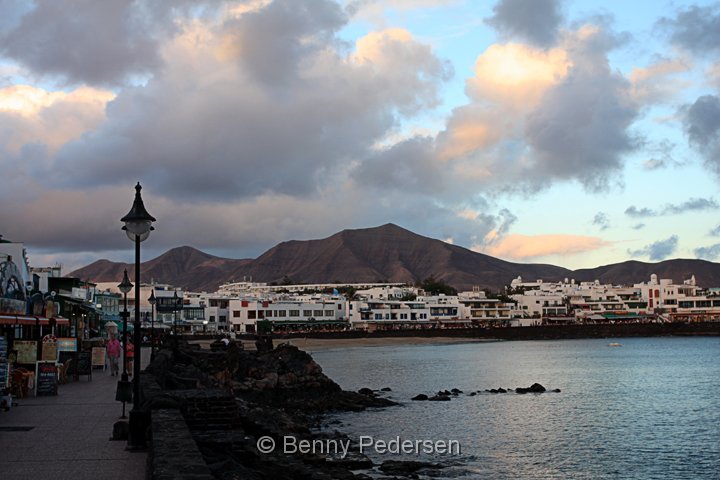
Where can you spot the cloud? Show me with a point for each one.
(711, 252)
(524, 247)
(702, 126)
(696, 29)
(715, 232)
(601, 220)
(506, 219)
(634, 212)
(660, 81)
(31, 115)
(690, 205)
(638, 226)
(536, 21)
(657, 251)
(84, 41)
(662, 156)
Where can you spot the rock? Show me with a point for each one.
(472, 394)
(405, 467)
(493, 390)
(386, 389)
(456, 391)
(536, 388)
(420, 397)
(366, 391)
(557, 390)
(439, 398)
(501, 390)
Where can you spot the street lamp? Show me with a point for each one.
(176, 302)
(138, 225)
(124, 390)
(152, 302)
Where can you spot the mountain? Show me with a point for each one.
(382, 254)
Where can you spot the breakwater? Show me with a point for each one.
(543, 332)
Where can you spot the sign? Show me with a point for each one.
(98, 357)
(46, 378)
(67, 344)
(49, 348)
(84, 363)
(26, 351)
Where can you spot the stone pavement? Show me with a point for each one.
(70, 435)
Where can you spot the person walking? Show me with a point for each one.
(113, 353)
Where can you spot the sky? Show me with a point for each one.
(576, 133)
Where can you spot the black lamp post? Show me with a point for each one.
(138, 225)
(124, 391)
(152, 302)
(176, 303)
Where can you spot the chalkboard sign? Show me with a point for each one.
(46, 378)
(84, 363)
(64, 356)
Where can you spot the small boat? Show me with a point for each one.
(614, 344)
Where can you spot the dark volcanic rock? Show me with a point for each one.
(439, 398)
(406, 467)
(366, 391)
(420, 397)
(534, 388)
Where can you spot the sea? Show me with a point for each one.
(648, 409)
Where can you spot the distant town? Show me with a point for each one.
(43, 297)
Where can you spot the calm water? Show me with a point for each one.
(647, 410)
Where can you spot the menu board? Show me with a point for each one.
(84, 363)
(46, 378)
(98, 357)
(26, 351)
(49, 351)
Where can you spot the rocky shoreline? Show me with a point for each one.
(230, 399)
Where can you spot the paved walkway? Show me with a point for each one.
(70, 435)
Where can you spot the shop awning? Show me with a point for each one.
(25, 320)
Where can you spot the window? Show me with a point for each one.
(378, 316)
(223, 319)
(236, 313)
(307, 313)
(329, 313)
(686, 304)
(317, 313)
(280, 313)
(212, 319)
(252, 314)
(294, 313)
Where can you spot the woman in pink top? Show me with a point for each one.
(113, 353)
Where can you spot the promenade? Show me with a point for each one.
(68, 436)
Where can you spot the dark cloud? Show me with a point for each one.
(84, 41)
(638, 226)
(601, 220)
(696, 29)
(657, 251)
(715, 232)
(234, 135)
(536, 21)
(702, 126)
(506, 219)
(693, 204)
(690, 205)
(634, 212)
(711, 252)
(587, 142)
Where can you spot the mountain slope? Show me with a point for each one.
(386, 253)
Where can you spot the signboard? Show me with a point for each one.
(46, 378)
(98, 357)
(26, 351)
(84, 363)
(67, 344)
(49, 351)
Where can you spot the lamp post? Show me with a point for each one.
(138, 225)
(124, 392)
(152, 300)
(176, 302)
